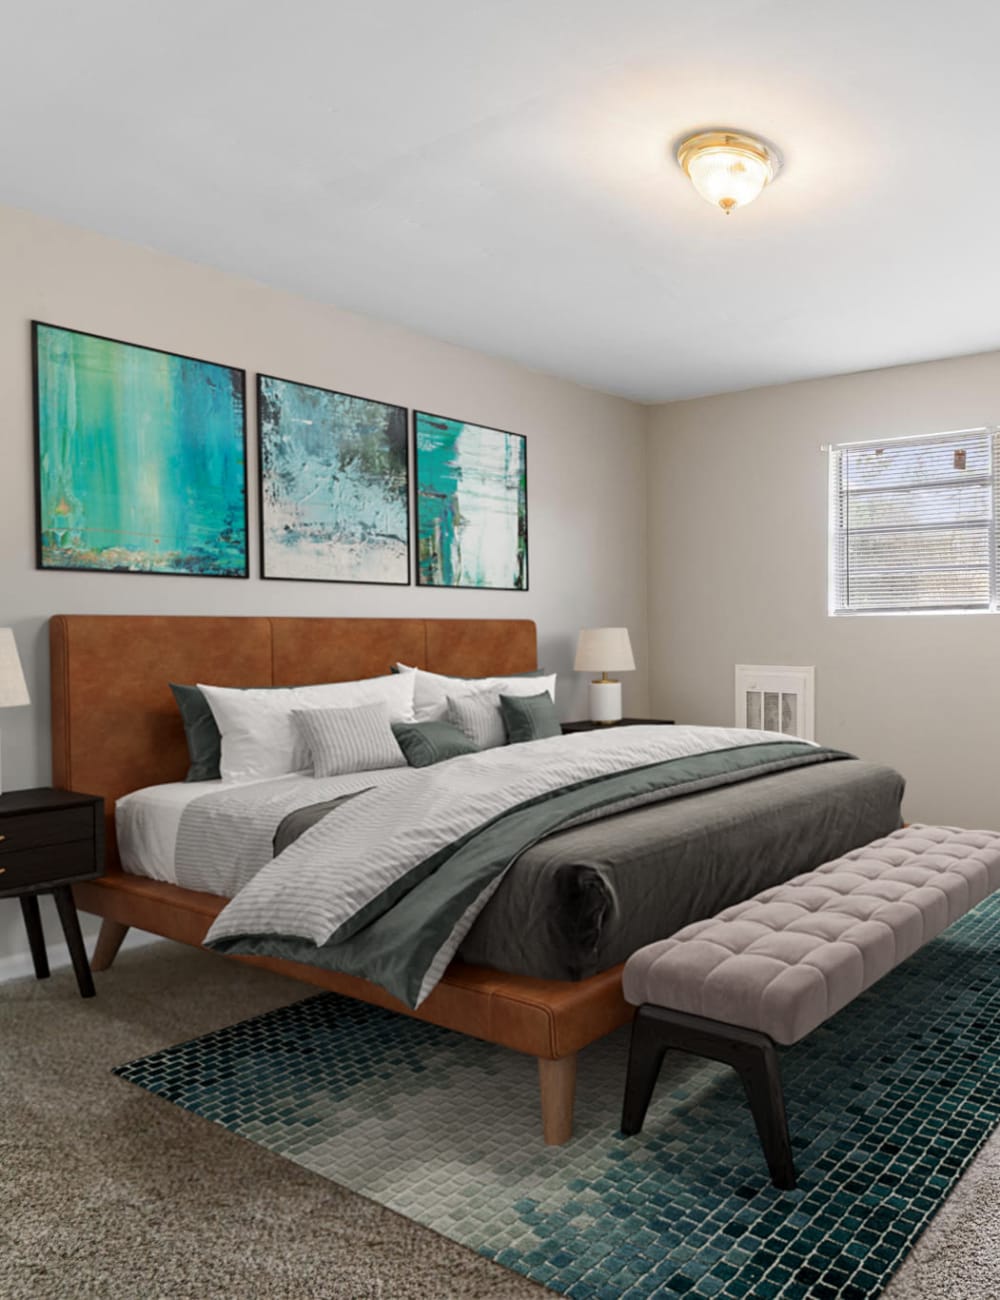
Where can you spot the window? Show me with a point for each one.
(913, 524)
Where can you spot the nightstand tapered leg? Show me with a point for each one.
(74, 940)
(36, 935)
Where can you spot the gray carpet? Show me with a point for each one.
(108, 1191)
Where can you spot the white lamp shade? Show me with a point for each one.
(604, 650)
(13, 688)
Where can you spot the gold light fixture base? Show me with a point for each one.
(728, 168)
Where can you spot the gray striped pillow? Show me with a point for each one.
(478, 715)
(348, 740)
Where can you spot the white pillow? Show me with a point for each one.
(477, 714)
(431, 690)
(349, 740)
(259, 738)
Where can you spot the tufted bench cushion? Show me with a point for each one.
(773, 968)
(791, 957)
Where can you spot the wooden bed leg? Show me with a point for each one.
(558, 1086)
(108, 942)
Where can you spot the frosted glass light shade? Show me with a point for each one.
(727, 169)
(13, 687)
(604, 650)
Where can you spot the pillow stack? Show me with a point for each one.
(432, 691)
(252, 734)
(407, 717)
(488, 711)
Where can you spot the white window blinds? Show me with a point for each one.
(914, 524)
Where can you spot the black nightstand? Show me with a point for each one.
(48, 840)
(570, 727)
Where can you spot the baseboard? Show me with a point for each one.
(18, 964)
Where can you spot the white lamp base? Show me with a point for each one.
(605, 701)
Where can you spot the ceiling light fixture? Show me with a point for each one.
(728, 168)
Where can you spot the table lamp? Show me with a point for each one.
(13, 688)
(603, 650)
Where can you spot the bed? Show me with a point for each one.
(540, 969)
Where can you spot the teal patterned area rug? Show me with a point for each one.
(888, 1103)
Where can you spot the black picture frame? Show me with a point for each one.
(403, 413)
(523, 531)
(238, 376)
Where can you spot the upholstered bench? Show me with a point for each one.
(771, 969)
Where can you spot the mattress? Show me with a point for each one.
(584, 899)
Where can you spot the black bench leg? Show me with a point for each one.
(761, 1075)
(74, 940)
(645, 1056)
(751, 1054)
(36, 935)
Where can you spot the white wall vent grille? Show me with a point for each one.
(771, 697)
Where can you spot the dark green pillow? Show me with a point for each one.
(201, 732)
(529, 717)
(424, 743)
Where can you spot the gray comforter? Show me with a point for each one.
(389, 885)
(584, 899)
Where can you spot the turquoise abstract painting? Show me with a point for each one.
(472, 505)
(334, 485)
(141, 458)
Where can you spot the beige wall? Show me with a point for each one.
(586, 461)
(738, 518)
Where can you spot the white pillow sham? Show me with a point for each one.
(259, 738)
(431, 690)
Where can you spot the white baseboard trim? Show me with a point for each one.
(18, 964)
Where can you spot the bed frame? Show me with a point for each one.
(115, 728)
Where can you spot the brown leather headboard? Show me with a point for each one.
(115, 726)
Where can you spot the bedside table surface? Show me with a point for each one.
(42, 799)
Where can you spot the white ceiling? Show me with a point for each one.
(497, 172)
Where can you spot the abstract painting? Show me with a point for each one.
(141, 458)
(334, 475)
(472, 505)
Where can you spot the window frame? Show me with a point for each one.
(836, 536)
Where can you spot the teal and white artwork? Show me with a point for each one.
(472, 505)
(141, 458)
(334, 472)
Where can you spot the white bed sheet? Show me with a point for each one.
(147, 821)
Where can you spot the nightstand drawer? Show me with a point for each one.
(40, 866)
(38, 830)
(50, 839)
